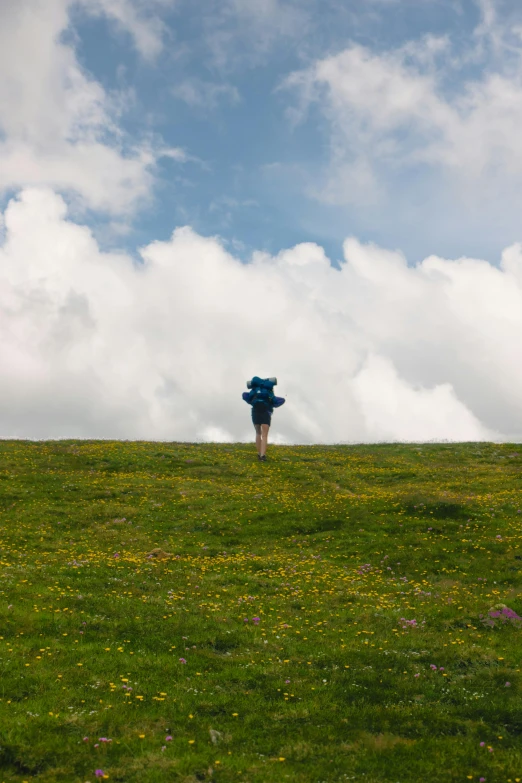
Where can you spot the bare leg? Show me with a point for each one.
(264, 438)
(258, 437)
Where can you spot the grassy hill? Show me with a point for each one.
(180, 612)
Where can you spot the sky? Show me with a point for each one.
(193, 193)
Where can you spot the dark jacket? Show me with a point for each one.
(276, 401)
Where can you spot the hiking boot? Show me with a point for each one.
(262, 458)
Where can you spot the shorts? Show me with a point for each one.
(261, 415)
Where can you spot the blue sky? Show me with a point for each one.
(193, 193)
(255, 168)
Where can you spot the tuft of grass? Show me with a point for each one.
(182, 612)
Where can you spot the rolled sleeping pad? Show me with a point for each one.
(272, 380)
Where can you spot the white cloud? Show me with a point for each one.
(415, 106)
(95, 345)
(394, 410)
(247, 30)
(58, 126)
(136, 17)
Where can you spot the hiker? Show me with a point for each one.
(263, 401)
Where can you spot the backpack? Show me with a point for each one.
(262, 391)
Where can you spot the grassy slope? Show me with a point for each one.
(328, 546)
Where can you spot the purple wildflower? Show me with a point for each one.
(502, 614)
(99, 773)
(168, 738)
(256, 620)
(182, 660)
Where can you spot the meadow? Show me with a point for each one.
(182, 612)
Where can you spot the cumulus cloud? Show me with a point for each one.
(58, 126)
(94, 344)
(425, 105)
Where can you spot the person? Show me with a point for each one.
(263, 401)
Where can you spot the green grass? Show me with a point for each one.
(328, 546)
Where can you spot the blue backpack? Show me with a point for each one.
(262, 391)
